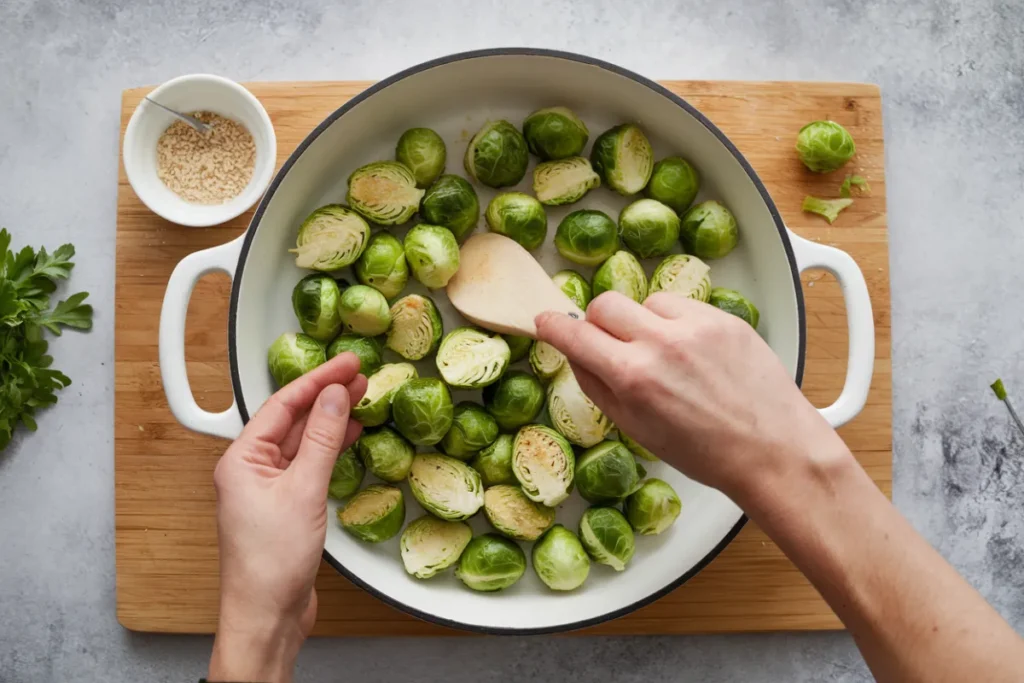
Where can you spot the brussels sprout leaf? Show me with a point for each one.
(851, 181)
(829, 208)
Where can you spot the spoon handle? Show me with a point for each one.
(190, 120)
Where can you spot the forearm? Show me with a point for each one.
(253, 652)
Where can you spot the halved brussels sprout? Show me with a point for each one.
(415, 327)
(364, 311)
(546, 360)
(564, 181)
(384, 192)
(587, 237)
(682, 274)
(315, 302)
(555, 133)
(446, 487)
(293, 355)
(824, 146)
(451, 202)
(709, 230)
(494, 463)
(386, 454)
(653, 507)
(346, 475)
(636, 449)
(374, 408)
(623, 158)
(374, 514)
(560, 560)
(470, 358)
(649, 228)
(675, 183)
(497, 155)
(491, 563)
(422, 151)
(606, 473)
(622, 273)
(514, 515)
(472, 428)
(430, 545)
(572, 412)
(330, 238)
(543, 463)
(433, 254)
(514, 400)
(731, 301)
(383, 266)
(607, 537)
(422, 410)
(574, 286)
(367, 349)
(518, 216)
(518, 346)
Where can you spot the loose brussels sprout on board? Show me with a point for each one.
(494, 463)
(514, 400)
(587, 237)
(564, 181)
(315, 302)
(330, 238)
(472, 428)
(622, 273)
(346, 475)
(430, 545)
(514, 515)
(518, 216)
(383, 265)
(682, 274)
(451, 202)
(367, 349)
(572, 412)
(422, 410)
(560, 560)
(623, 158)
(491, 563)
(824, 146)
(653, 507)
(555, 133)
(649, 228)
(470, 358)
(446, 487)
(636, 449)
(386, 454)
(731, 301)
(709, 230)
(543, 463)
(433, 254)
(422, 151)
(606, 473)
(497, 155)
(384, 192)
(518, 346)
(607, 537)
(546, 360)
(374, 408)
(364, 311)
(374, 514)
(574, 286)
(415, 327)
(675, 183)
(293, 355)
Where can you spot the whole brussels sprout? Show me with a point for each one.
(384, 192)
(622, 273)
(367, 349)
(560, 560)
(293, 355)
(546, 360)
(514, 400)
(422, 151)
(587, 237)
(653, 507)
(636, 449)
(451, 202)
(518, 216)
(315, 302)
(709, 230)
(555, 133)
(731, 301)
(607, 537)
(374, 408)
(574, 286)
(682, 274)
(469, 358)
(491, 563)
(330, 238)
(364, 311)
(374, 514)
(446, 487)
(623, 158)
(433, 254)
(606, 473)
(346, 475)
(494, 463)
(675, 183)
(514, 515)
(518, 346)
(383, 265)
(472, 428)
(649, 228)
(824, 146)
(386, 454)
(572, 412)
(497, 155)
(422, 410)
(543, 463)
(430, 545)
(564, 181)
(415, 327)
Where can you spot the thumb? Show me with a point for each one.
(322, 440)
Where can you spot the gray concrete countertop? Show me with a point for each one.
(952, 76)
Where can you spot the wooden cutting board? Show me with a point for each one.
(166, 537)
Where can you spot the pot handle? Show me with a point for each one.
(227, 424)
(860, 321)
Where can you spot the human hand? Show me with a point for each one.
(272, 520)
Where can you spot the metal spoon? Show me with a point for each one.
(190, 120)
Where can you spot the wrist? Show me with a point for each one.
(255, 649)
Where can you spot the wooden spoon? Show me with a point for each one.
(501, 287)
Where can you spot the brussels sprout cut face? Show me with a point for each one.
(470, 358)
(607, 537)
(555, 133)
(497, 155)
(374, 408)
(315, 302)
(386, 454)
(653, 508)
(331, 238)
(384, 192)
(636, 449)
(446, 487)
(433, 254)
(494, 463)
(709, 230)
(623, 158)
(683, 274)
(564, 181)
(491, 563)
(675, 183)
(422, 410)
(518, 346)
(364, 311)
(346, 476)
(572, 412)
(514, 515)
(546, 360)
(451, 202)
(649, 228)
(293, 355)
(731, 301)
(606, 473)
(518, 216)
(472, 428)
(415, 327)
(587, 237)
(383, 265)
(824, 146)
(367, 349)
(514, 400)
(422, 151)
(374, 514)
(622, 273)
(560, 560)
(543, 462)
(574, 286)
(431, 545)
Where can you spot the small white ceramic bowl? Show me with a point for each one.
(196, 92)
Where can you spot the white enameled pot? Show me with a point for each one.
(455, 96)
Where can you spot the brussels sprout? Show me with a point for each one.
(430, 545)
(491, 563)
(472, 428)
(470, 358)
(622, 273)
(330, 238)
(587, 237)
(346, 476)
(367, 349)
(422, 410)
(315, 302)
(560, 560)
(384, 192)
(446, 487)
(293, 355)
(518, 216)
(574, 286)
(623, 158)
(422, 151)
(386, 454)
(415, 327)
(555, 133)
(374, 514)
(383, 265)
(433, 254)
(653, 507)
(364, 311)
(636, 449)
(709, 230)
(451, 202)
(497, 155)
(546, 360)
(675, 183)
(606, 473)
(514, 515)
(518, 346)
(649, 228)
(824, 146)
(607, 537)
(682, 274)
(374, 408)
(494, 463)
(564, 181)
(514, 400)
(543, 463)
(731, 301)
(572, 412)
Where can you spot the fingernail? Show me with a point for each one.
(334, 400)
